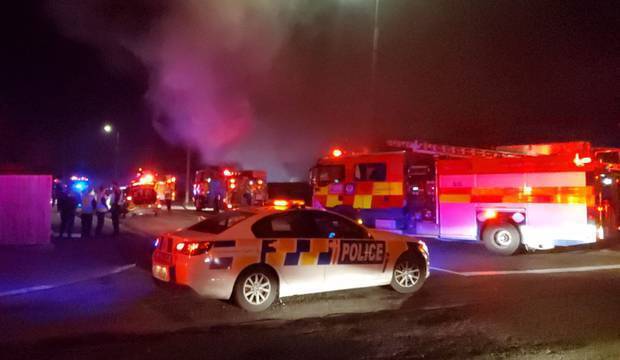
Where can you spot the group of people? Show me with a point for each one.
(92, 203)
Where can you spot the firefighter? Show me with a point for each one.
(89, 204)
(216, 191)
(102, 209)
(115, 207)
(246, 190)
(168, 196)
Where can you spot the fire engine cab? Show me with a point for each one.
(532, 196)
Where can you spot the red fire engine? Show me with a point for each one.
(218, 187)
(248, 188)
(211, 187)
(147, 192)
(536, 196)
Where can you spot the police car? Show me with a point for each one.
(253, 256)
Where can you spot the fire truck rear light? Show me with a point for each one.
(490, 214)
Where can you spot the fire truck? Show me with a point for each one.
(533, 196)
(148, 192)
(219, 187)
(248, 188)
(211, 187)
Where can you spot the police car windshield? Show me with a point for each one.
(220, 222)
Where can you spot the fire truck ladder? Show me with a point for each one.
(423, 147)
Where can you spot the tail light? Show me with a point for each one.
(193, 248)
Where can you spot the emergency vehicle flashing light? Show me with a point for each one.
(146, 179)
(518, 217)
(581, 161)
(490, 214)
(227, 172)
(337, 152)
(80, 185)
(281, 203)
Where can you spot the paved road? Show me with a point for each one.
(560, 304)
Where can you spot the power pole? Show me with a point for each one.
(187, 174)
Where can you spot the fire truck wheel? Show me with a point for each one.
(501, 239)
(409, 273)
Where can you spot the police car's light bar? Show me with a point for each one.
(281, 204)
(193, 248)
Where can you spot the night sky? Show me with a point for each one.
(276, 88)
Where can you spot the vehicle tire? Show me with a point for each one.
(409, 273)
(256, 289)
(502, 239)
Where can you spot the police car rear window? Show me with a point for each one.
(218, 223)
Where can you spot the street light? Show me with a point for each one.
(375, 49)
(109, 129)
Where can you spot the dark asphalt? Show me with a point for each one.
(553, 315)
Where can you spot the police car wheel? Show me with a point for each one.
(501, 239)
(255, 289)
(408, 275)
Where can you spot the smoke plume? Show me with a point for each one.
(203, 59)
